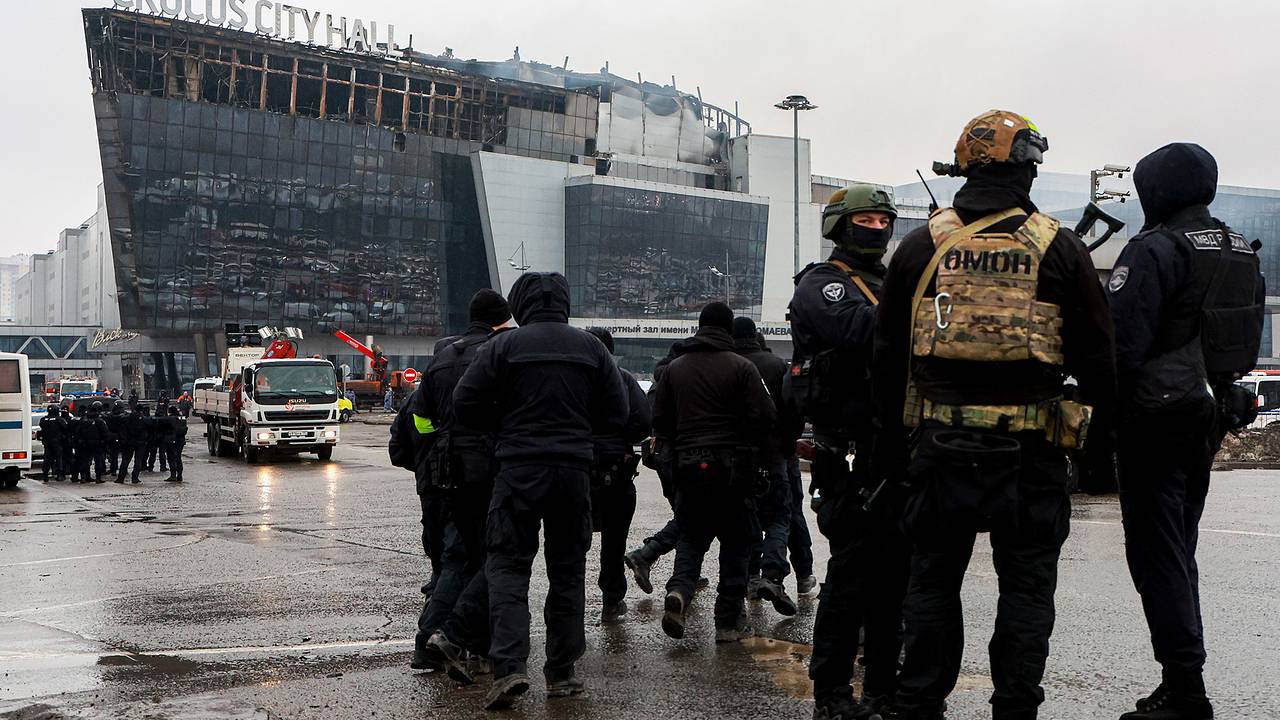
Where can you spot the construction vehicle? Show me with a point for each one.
(372, 389)
(270, 402)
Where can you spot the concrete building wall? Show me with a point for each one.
(764, 165)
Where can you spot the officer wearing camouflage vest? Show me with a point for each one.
(833, 316)
(983, 315)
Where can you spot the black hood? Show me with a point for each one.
(708, 339)
(995, 187)
(1177, 176)
(540, 297)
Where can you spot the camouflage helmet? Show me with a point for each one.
(999, 136)
(859, 197)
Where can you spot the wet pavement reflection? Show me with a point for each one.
(290, 590)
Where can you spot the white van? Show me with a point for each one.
(1266, 385)
(15, 418)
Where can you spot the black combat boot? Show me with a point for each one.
(505, 690)
(613, 610)
(639, 562)
(772, 591)
(445, 654)
(841, 708)
(1166, 704)
(673, 615)
(565, 688)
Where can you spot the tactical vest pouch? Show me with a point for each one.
(439, 468)
(1065, 423)
(1175, 382)
(611, 470)
(963, 481)
(1231, 340)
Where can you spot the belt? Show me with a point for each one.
(1065, 423)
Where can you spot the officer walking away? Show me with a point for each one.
(53, 434)
(768, 566)
(115, 423)
(1188, 303)
(460, 469)
(983, 315)
(93, 438)
(546, 389)
(137, 435)
(833, 314)
(175, 439)
(613, 489)
(714, 406)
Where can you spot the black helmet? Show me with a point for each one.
(96, 406)
(52, 409)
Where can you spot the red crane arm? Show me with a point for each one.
(355, 344)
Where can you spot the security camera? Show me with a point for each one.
(1116, 168)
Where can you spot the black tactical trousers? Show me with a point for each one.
(52, 462)
(135, 454)
(462, 558)
(153, 451)
(714, 511)
(94, 455)
(1164, 479)
(613, 506)
(556, 496)
(799, 541)
(864, 587)
(1025, 548)
(434, 520)
(173, 451)
(113, 457)
(773, 515)
(663, 541)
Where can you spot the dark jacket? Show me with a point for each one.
(711, 397)
(137, 430)
(115, 423)
(53, 430)
(639, 422)
(1067, 278)
(832, 327)
(544, 388)
(93, 432)
(159, 430)
(773, 371)
(1159, 285)
(175, 429)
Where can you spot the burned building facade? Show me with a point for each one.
(251, 179)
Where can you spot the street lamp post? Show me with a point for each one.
(796, 103)
(725, 274)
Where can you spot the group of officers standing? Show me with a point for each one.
(965, 389)
(94, 445)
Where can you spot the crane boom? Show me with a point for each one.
(355, 344)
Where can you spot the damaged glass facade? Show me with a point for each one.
(258, 181)
(634, 251)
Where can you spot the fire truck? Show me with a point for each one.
(270, 402)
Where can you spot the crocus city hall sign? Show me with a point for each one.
(278, 19)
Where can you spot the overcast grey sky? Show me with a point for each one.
(895, 79)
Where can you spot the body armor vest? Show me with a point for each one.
(985, 310)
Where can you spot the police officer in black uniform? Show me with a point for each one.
(53, 434)
(137, 434)
(71, 447)
(983, 314)
(832, 321)
(768, 565)
(175, 439)
(546, 389)
(115, 423)
(613, 489)
(93, 438)
(714, 406)
(454, 620)
(1188, 302)
(155, 443)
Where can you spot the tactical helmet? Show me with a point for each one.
(998, 136)
(96, 406)
(859, 197)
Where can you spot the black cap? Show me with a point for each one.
(489, 307)
(744, 328)
(603, 336)
(716, 314)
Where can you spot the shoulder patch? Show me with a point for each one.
(1240, 245)
(1205, 239)
(1118, 278)
(833, 292)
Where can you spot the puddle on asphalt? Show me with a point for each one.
(785, 663)
(151, 664)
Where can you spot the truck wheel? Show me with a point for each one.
(211, 435)
(325, 454)
(344, 416)
(11, 476)
(248, 451)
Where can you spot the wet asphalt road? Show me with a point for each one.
(291, 590)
